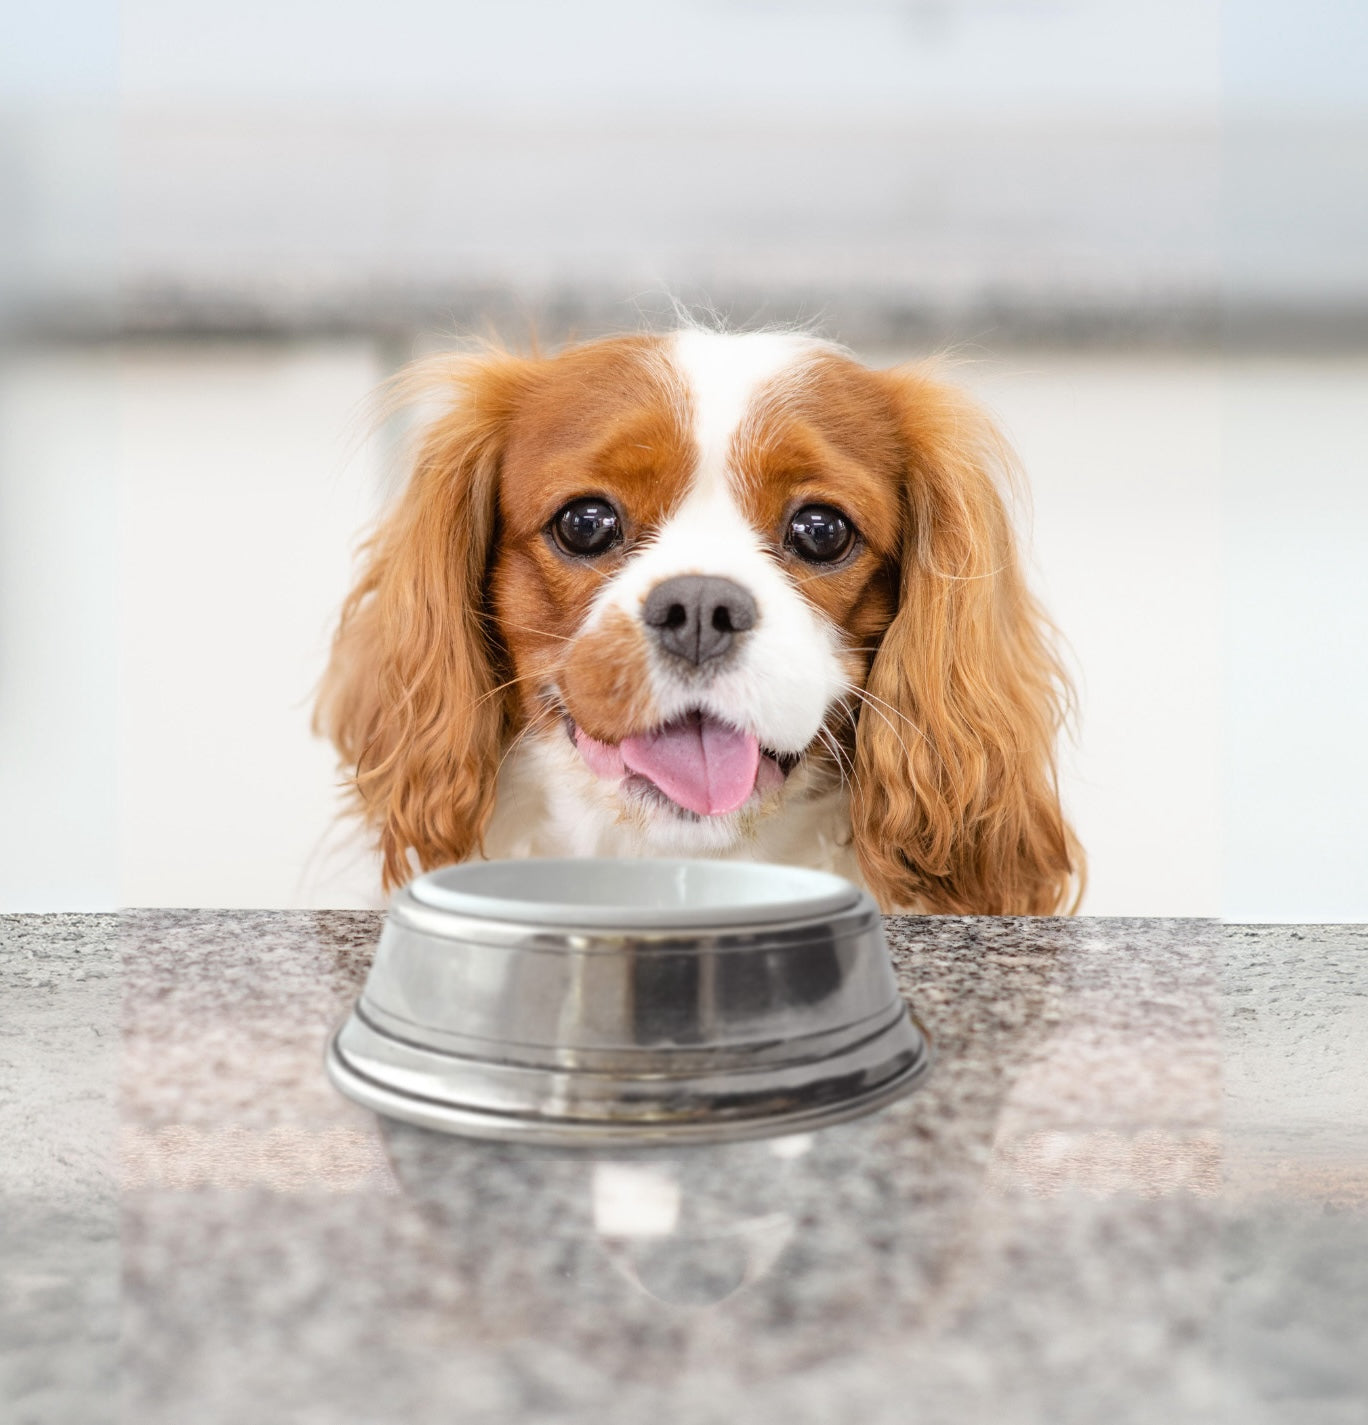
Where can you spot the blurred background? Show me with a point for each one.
(1142, 230)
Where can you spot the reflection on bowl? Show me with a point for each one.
(641, 1217)
(592, 1001)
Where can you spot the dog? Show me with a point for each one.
(707, 593)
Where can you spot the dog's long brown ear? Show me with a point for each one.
(409, 696)
(957, 808)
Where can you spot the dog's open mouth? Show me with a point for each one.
(698, 762)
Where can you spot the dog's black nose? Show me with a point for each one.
(696, 615)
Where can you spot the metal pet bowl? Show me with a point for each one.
(590, 1001)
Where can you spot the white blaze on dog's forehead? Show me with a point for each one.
(723, 373)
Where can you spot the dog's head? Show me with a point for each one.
(710, 575)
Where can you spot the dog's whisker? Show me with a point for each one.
(879, 713)
(524, 628)
(504, 687)
(851, 782)
(536, 723)
(967, 578)
(872, 699)
(828, 740)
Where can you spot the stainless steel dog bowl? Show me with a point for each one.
(583, 1001)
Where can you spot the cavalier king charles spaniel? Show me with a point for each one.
(707, 594)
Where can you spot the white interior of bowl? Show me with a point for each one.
(646, 894)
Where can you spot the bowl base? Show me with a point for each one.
(379, 1072)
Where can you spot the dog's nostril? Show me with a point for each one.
(721, 619)
(676, 617)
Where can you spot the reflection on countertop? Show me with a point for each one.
(1135, 1187)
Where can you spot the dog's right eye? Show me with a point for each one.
(586, 527)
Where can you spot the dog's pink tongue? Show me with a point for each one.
(700, 763)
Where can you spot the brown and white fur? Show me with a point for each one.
(904, 697)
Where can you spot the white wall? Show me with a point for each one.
(58, 468)
(176, 527)
(1296, 640)
(244, 485)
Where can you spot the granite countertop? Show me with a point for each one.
(1134, 1189)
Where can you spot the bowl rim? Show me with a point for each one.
(797, 892)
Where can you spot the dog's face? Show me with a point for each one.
(694, 581)
(698, 553)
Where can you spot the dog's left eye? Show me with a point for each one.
(587, 526)
(820, 534)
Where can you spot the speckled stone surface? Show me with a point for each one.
(1135, 1188)
(59, 1200)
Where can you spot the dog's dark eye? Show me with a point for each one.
(820, 534)
(586, 527)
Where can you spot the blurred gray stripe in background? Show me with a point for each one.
(214, 220)
(1067, 171)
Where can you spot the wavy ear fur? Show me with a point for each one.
(411, 696)
(958, 805)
